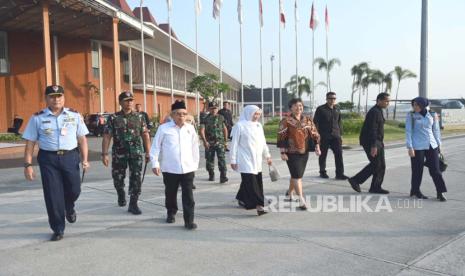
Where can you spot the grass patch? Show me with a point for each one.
(393, 131)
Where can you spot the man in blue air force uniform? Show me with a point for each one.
(61, 135)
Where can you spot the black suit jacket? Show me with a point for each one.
(372, 134)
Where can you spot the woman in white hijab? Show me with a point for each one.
(248, 145)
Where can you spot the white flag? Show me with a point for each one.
(217, 8)
(198, 7)
(296, 14)
(170, 4)
(239, 12)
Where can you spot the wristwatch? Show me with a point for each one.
(26, 165)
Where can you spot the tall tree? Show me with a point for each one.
(327, 66)
(377, 77)
(208, 86)
(300, 86)
(401, 74)
(357, 72)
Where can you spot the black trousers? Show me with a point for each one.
(251, 190)
(376, 168)
(432, 162)
(172, 182)
(335, 144)
(61, 183)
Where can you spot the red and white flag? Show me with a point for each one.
(313, 18)
(260, 8)
(217, 8)
(326, 18)
(282, 17)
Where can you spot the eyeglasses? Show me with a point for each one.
(331, 98)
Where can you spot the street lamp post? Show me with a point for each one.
(424, 50)
(272, 85)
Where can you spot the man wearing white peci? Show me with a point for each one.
(176, 144)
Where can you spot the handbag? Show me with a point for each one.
(311, 146)
(442, 162)
(274, 174)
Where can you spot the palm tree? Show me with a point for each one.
(401, 74)
(377, 77)
(297, 88)
(388, 82)
(327, 66)
(357, 72)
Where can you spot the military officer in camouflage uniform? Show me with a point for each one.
(130, 140)
(214, 135)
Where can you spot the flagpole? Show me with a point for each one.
(242, 80)
(312, 96)
(197, 61)
(261, 77)
(328, 87)
(219, 45)
(296, 49)
(171, 55)
(144, 89)
(280, 58)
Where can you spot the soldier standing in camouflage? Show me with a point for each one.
(126, 127)
(214, 136)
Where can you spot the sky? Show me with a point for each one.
(383, 33)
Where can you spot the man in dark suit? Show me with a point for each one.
(371, 139)
(227, 114)
(328, 121)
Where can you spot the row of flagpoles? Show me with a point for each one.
(216, 12)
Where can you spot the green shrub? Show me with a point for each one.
(273, 121)
(352, 126)
(351, 115)
(9, 137)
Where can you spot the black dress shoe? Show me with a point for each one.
(71, 216)
(211, 177)
(342, 177)
(261, 212)
(418, 195)
(324, 175)
(354, 185)
(190, 226)
(170, 219)
(441, 197)
(56, 237)
(303, 207)
(379, 191)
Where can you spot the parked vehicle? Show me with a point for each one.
(95, 123)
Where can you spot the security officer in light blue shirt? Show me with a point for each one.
(423, 139)
(59, 131)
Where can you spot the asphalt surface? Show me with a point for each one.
(412, 238)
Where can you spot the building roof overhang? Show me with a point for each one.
(91, 19)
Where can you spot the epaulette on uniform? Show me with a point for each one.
(73, 110)
(38, 113)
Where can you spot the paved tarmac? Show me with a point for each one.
(406, 236)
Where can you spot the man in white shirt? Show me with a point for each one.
(175, 153)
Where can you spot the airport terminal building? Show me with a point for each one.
(93, 49)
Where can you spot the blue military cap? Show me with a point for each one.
(54, 90)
